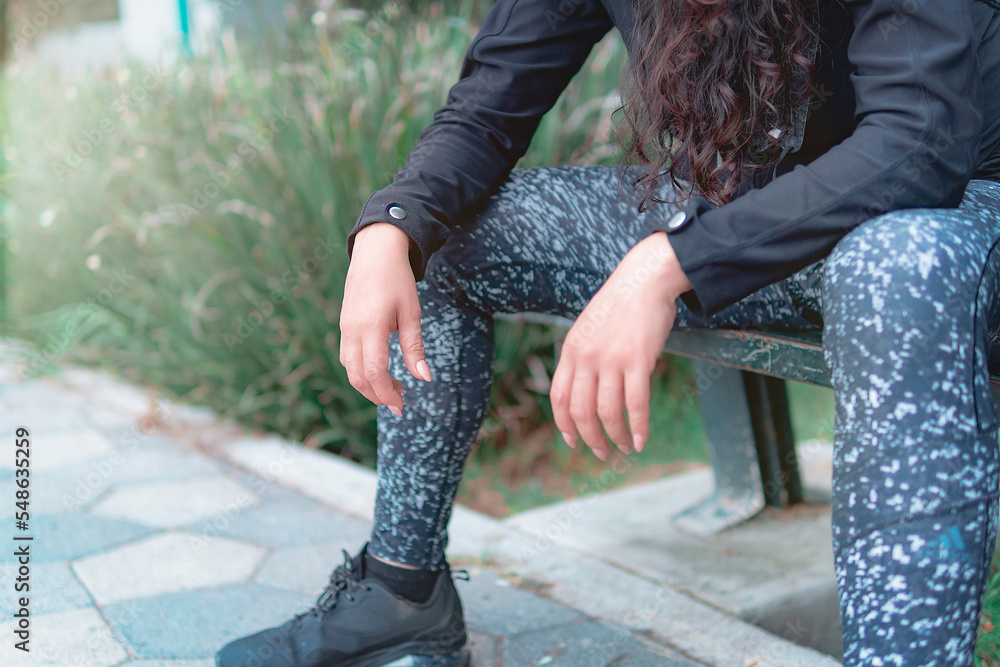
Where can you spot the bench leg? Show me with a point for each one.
(767, 400)
(751, 446)
(729, 425)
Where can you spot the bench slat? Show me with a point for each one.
(798, 357)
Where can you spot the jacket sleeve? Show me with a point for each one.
(916, 144)
(524, 55)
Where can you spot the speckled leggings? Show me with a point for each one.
(907, 305)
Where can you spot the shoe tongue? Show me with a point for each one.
(359, 561)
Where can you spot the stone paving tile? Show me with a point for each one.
(589, 643)
(171, 504)
(268, 490)
(493, 605)
(172, 663)
(77, 638)
(161, 457)
(74, 487)
(165, 564)
(54, 450)
(51, 496)
(304, 569)
(197, 623)
(307, 470)
(293, 523)
(485, 649)
(69, 536)
(54, 588)
(42, 420)
(41, 393)
(155, 456)
(101, 388)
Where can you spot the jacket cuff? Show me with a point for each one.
(407, 214)
(687, 232)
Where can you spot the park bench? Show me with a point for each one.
(740, 378)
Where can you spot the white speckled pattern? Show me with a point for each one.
(907, 309)
(910, 303)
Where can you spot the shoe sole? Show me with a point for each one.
(402, 656)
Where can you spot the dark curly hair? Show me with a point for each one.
(708, 82)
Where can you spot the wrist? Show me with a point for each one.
(388, 237)
(668, 268)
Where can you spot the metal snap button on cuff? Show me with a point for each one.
(677, 221)
(397, 213)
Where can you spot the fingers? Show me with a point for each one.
(411, 343)
(352, 358)
(375, 348)
(637, 404)
(583, 410)
(611, 410)
(579, 397)
(559, 393)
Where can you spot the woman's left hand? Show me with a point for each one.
(610, 351)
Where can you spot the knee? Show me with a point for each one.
(903, 269)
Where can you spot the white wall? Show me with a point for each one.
(149, 29)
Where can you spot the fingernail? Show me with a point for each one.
(424, 370)
(638, 441)
(571, 441)
(396, 411)
(601, 454)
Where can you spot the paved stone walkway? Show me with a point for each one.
(151, 549)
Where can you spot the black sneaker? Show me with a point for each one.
(358, 622)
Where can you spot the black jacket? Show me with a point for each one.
(907, 112)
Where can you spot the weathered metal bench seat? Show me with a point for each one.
(740, 378)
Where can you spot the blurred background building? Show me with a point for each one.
(79, 34)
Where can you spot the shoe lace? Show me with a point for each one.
(343, 580)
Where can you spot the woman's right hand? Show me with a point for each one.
(380, 296)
